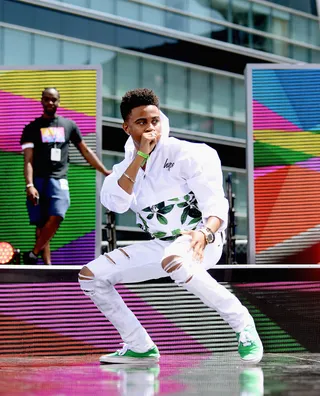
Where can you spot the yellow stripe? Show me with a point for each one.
(307, 142)
(77, 87)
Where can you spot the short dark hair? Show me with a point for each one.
(48, 88)
(135, 98)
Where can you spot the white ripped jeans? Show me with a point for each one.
(141, 262)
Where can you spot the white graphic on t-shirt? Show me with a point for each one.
(53, 135)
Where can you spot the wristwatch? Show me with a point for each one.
(29, 185)
(209, 235)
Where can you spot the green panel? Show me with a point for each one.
(266, 154)
(273, 337)
(14, 221)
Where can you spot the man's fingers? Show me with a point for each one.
(196, 245)
(198, 253)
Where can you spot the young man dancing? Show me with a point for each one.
(175, 189)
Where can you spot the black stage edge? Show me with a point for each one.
(223, 273)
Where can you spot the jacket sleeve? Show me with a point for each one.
(203, 173)
(112, 196)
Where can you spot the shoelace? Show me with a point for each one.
(123, 350)
(245, 338)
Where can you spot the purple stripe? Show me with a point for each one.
(262, 171)
(79, 318)
(312, 164)
(77, 252)
(38, 285)
(301, 286)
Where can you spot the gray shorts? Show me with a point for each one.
(54, 200)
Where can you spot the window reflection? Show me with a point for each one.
(261, 17)
(241, 225)
(300, 53)
(107, 60)
(201, 123)
(19, 14)
(240, 12)
(17, 47)
(314, 33)
(244, 39)
(315, 56)
(153, 16)
(239, 99)
(200, 91)
(221, 95)
(222, 127)
(153, 76)
(221, 8)
(176, 92)
(127, 219)
(73, 54)
(200, 28)
(81, 3)
(239, 188)
(262, 43)
(177, 22)
(127, 9)
(300, 28)
(127, 73)
(108, 108)
(178, 119)
(308, 6)
(280, 21)
(103, 6)
(240, 131)
(46, 50)
(221, 33)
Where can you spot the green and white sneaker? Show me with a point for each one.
(126, 355)
(250, 347)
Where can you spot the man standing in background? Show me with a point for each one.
(45, 143)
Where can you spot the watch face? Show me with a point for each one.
(210, 237)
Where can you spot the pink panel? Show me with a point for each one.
(266, 119)
(17, 111)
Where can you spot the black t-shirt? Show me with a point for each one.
(46, 134)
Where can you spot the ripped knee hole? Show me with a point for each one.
(172, 265)
(87, 284)
(106, 255)
(85, 273)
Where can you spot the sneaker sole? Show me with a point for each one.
(254, 360)
(129, 360)
(130, 366)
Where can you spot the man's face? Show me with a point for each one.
(50, 102)
(142, 119)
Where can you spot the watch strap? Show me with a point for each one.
(208, 234)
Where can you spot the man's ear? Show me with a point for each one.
(125, 127)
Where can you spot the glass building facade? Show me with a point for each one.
(191, 52)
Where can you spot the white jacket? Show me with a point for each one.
(180, 179)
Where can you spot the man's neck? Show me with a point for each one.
(49, 117)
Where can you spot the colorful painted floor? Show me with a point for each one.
(218, 374)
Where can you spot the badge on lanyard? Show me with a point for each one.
(55, 154)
